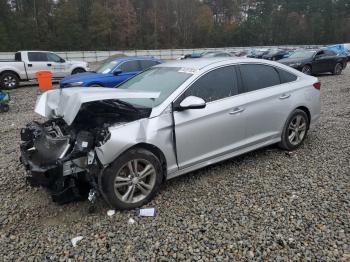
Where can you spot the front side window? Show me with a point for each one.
(107, 67)
(37, 57)
(130, 66)
(158, 79)
(255, 76)
(53, 58)
(217, 84)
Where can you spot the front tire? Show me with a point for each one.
(132, 180)
(338, 68)
(307, 70)
(9, 80)
(295, 130)
(78, 71)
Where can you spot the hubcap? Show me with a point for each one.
(9, 81)
(134, 181)
(297, 130)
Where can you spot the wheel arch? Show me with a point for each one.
(306, 110)
(156, 151)
(10, 71)
(78, 67)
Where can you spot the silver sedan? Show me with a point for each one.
(172, 119)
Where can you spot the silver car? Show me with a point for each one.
(167, 121)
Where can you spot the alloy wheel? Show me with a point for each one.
(135, 181)
(297, 130)
(9, 81)
(306, 70)
(338, 69)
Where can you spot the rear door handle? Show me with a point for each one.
(236, 110)
(284, 96)
(49, 64)
(30, 65)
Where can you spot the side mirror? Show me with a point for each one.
(117, 72)
(191, 102)
(62, 60)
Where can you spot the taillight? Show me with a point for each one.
(317, 85)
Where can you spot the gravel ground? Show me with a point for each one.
(264, 206)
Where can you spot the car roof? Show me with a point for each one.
(200, 63)
(131, 58)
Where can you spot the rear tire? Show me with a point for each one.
(9, 80)
(78, 71)
(132, 180)
(295, 130)
(338, 68)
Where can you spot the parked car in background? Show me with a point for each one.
(171, 119)
(276, 54)
(257, 53)
(316, 61)
(111, 73)
(207, 54)
(27, 63)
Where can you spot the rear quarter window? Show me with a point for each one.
(286, 77)
(255, 76)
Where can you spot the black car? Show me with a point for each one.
(316, 61)
(276, 54)
(207, 54)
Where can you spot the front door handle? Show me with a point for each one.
(236, 110)
(30, 65)
(49, 64)
(284, 96)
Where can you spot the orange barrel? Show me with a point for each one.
(44, 79)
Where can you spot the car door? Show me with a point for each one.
(217, 129)
(330, 60)
(128, 69)
(267, 95)
(57, 65)
(37, 61)
(320, 63)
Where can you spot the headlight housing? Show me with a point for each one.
(75, 84)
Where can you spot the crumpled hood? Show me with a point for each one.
(66, 103)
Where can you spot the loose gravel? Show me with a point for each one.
(268, 205)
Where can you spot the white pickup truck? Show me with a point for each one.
(27, 63)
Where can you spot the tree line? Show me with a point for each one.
(155, 24)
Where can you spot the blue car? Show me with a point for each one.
(112, 73)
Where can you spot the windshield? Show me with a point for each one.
(107, 67)
(302, 54)
(159, 79)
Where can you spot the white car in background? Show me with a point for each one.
(27, 63)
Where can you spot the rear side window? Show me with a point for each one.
(286, 77)
(130, 66)
(18, 56)
(37, 57)
(145, 64)
(217, 84)
(256, 77)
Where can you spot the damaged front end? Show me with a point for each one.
(60, 159)
(59, 154)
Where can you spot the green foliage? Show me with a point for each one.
(153, 24)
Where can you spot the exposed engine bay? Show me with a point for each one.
(62, 158)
